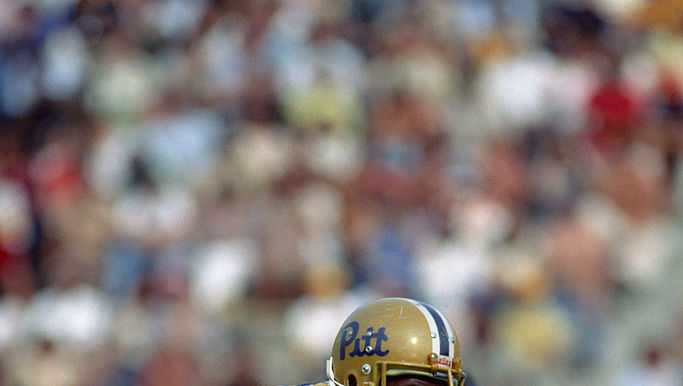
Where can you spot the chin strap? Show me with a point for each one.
(331, 381)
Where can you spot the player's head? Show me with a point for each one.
(395, 342)
(413, 380)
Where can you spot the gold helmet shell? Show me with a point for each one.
(394, 336)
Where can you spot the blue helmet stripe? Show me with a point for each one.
(441, 326)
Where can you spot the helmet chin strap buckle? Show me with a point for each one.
(331, 381)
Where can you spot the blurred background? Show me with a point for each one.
(198, 192)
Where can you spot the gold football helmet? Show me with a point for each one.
(394, 337)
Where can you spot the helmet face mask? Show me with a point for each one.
(384, 370)
(393, 337)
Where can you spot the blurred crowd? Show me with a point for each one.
(199, 192)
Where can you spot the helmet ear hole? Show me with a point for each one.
(351, 380)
